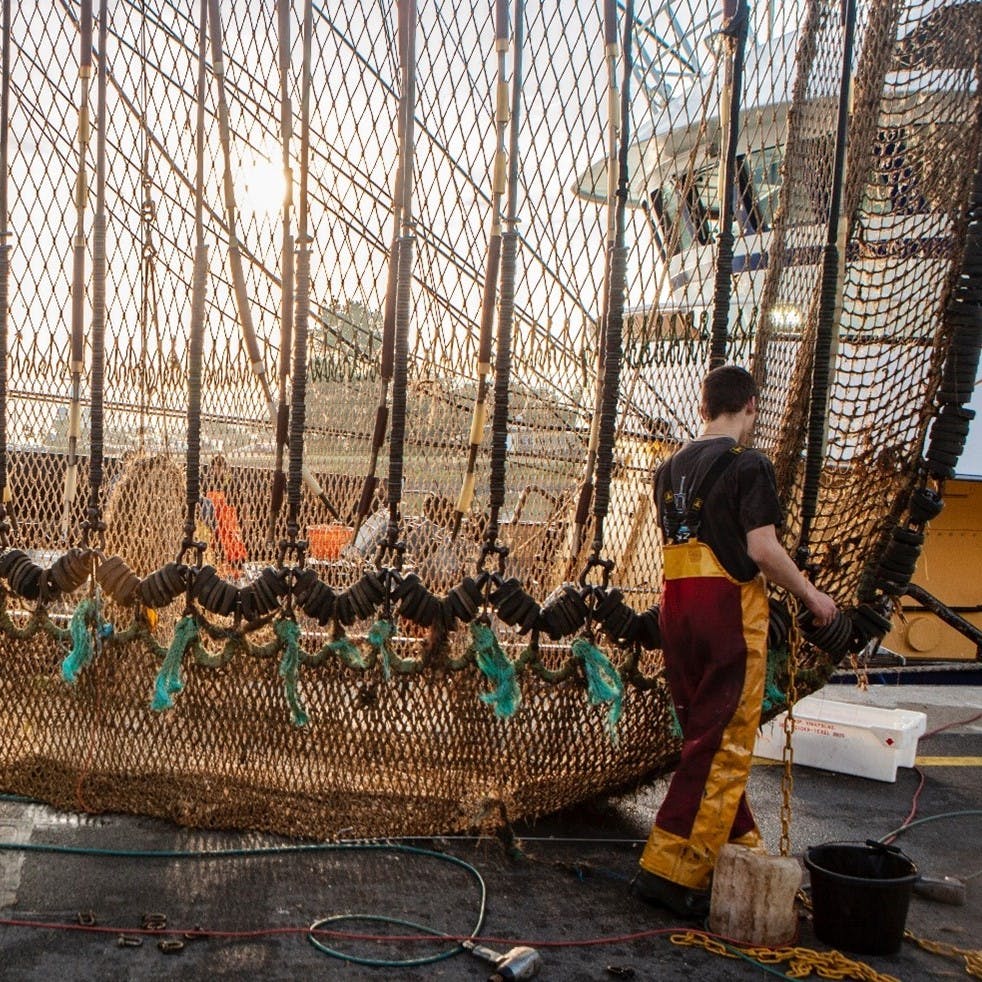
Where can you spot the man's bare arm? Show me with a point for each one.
(775, 563)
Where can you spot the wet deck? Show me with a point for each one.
(567, 882)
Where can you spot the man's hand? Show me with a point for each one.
(779, 568)
(821, 605)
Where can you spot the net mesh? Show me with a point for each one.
(406, 744)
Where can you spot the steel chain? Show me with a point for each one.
(787, 777)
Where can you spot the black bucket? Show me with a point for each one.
(860, 895)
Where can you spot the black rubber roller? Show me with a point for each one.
(618, 620)
(607, 604)
(649, 628)
(464, 600)
(25, 578)
(304, 586)
(203, 581)
(509, 588)
(517, 607)
(834, 639)
(162, 586)
(8, 559)
(70, 571)
(564, 613)
(868, 623)
(925, 505)
(118, 581)
(320, 601)
(778, 624)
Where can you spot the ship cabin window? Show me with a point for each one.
(764, 167)
(688, 208)
(902, 181)
(677, 233)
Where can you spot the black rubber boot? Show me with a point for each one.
(683, 901)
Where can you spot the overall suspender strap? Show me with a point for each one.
(675, 519)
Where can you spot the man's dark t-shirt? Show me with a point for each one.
(743, 498)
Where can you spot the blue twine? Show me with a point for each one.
(378, 637)
(676, 725)
(169, 677)
(288, 632)
(774, 697)
(603, 682)
(347, 651)
(80, 653)
(500, 671)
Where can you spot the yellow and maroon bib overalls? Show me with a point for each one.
(714, 640)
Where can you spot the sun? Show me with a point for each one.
(261, 184)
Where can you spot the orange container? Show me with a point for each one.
(326, 541)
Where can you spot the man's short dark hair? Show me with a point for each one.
(726, 389)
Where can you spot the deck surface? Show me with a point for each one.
(566, 882)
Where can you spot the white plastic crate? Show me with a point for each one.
(845, 737)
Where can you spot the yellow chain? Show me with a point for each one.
(787, 777)
(802, 962)
(972, 957)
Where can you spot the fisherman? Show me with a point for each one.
(718, 512)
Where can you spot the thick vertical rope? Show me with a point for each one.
(804, 60)
(613, 129)
(830, 301)
(506, 309)
(389, 313)
(93, 522)
(298, 408)
(198, 292)
(286, 271)
(614, 309)
(77, 353)
(256, 361)
(403, 296)
(491, 267)
(4, 265)
(736, 19)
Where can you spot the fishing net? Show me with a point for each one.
(346, 577)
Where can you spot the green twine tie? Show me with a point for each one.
(603, 682)
(80, 653)
(774, 697)
(378, 638)
(288, 632)
(347, 651)
(169, 677)
(676, 725)
(494, 663)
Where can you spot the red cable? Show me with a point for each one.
(354, 936)
(920, 785)
(948, 726)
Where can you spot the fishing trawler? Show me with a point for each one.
(421, 334)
